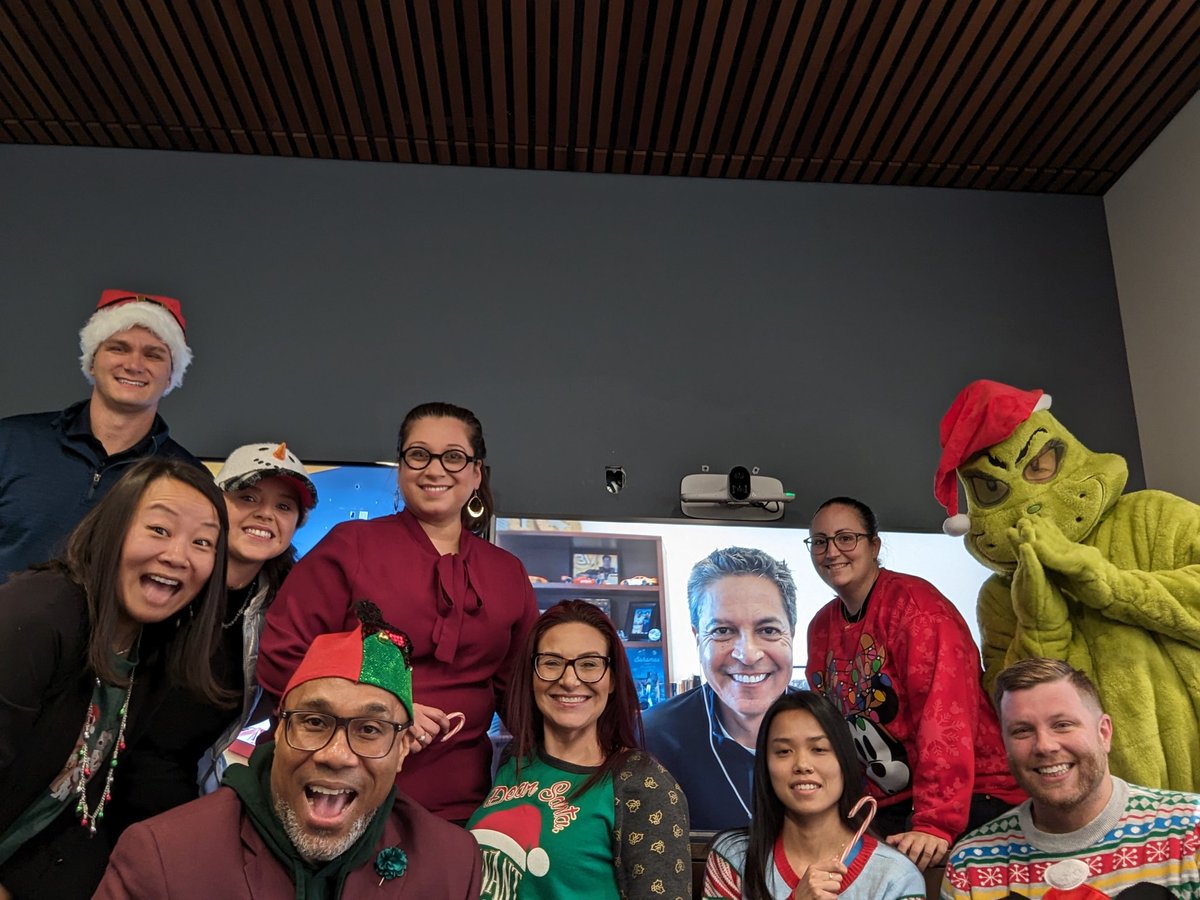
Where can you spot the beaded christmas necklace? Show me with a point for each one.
(89, 819)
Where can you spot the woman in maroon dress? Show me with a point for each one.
(465, 603)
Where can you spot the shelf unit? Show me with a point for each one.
(549, 554)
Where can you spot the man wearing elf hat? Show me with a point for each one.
(1108, 582)
(56, 466)
(316, 812)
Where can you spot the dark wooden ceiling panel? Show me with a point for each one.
(1046, 95)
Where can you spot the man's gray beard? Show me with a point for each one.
(318, 848)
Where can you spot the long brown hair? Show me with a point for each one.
(619, 728)
(767, 821)
(478, 450)
(93, 561)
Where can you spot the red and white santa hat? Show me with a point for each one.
(515, 832)
(983, 414)
(119, 310)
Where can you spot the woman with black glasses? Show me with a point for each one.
(465, 603)
(899, 662)
(579, 809)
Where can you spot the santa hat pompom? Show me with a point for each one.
(957, 525)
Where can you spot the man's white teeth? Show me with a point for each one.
(162, 579)
(1054, 770)
(317, 789)
(749, 679)
(132, 382)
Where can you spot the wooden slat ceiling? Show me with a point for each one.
(995, 94)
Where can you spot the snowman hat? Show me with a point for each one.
(515, 833)
(983, 414)
(120, 310)
(251, 463)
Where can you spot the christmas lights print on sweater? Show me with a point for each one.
(865, 695)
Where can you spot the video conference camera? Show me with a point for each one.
(742, 494)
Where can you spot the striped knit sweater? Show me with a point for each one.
(1143, 837)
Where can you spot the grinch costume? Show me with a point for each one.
(1109, 582)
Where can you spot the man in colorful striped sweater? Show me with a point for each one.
(1084, 834)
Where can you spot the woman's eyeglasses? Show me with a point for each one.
(843, 540)
(451, 460)
(551, 667)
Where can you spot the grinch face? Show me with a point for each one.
(1040, 471)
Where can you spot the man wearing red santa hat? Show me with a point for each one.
(55, 466)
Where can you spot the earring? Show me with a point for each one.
(475, 507)
(396, 501)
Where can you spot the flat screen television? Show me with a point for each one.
(941, 560)
(347, 491)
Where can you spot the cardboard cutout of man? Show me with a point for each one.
(1109, 582)
(742, 603)
(55, 466)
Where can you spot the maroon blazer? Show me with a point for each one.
(208, 848)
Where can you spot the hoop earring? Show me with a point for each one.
(475, 507)
(396, 500)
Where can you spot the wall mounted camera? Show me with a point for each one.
(739, 483)
(742, 495)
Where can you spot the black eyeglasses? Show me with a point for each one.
(451, 460)
(310, 731)
(551, 667)
(843, 540)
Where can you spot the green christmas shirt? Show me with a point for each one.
(625, 837)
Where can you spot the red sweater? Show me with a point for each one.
(466, 613)
(907, 677)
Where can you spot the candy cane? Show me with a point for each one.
(862, 829)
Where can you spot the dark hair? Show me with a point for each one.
(740, 561)
(767, 820)
(478, 450)
(275, 569)
(93, 561)
(619, 728)
(870, 523)
(1027, 673)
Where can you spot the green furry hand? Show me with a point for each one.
(1037, 603)
(1057, 553)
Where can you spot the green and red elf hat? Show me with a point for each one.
(982, 415)
(374, 653)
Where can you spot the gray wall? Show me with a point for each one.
(1153, 221)
(816, 331)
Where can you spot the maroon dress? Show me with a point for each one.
(467, 614)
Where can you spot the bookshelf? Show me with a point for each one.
(590, 566)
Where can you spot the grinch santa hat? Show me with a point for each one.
(120, 310)
(515, 832)
(983, 414)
